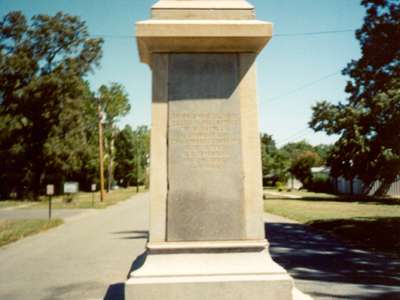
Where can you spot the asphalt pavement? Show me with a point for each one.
(78, 260)
(326, 268)
(89, 257)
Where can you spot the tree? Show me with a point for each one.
(42, 64)
(115, 103)
(274, 164)
(368, 143)
(278, 164)
(324, 152)
(293, 150)
(142, 153)
(131, 155)
(71, 146)
(125, 171)
(301, 167)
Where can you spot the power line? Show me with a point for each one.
(300, 134)
(312, 33)
(113, 36)
(307, 85)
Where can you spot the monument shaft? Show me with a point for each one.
(207, 231)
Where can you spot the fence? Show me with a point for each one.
(343, 186)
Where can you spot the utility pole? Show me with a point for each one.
(137, 163)
(101, 154)
(111, 159)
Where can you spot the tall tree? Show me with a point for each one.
(142, 153)
(366, 123)
(131, 155)
(125, 171)
(274, 163)
(292, 150)
(114, 102)
(302, 164)
(42, 64)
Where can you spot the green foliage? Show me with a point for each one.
(302, 164)
(293, 150)
(42, 94)
(274, 164)
(301, 157)
(321, 183)
(293, 158)
(281, 186)
(367, 122)
(323, 152)
(132, 155)
(114, 103)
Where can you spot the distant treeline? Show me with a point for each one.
(294, 159)
(49, 116)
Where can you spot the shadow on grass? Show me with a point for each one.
(373, 234)
(332, 269)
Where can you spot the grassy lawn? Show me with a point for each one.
(86, 200)
(13, 230)
(367, 223)
(80, 200)
(12, 203)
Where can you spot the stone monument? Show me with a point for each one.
(207, 237)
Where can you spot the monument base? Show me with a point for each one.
(255, 287)
(209, 270)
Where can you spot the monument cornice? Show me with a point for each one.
(187, 36)
(216, 245)
(203, 4)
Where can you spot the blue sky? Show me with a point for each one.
(285, 66)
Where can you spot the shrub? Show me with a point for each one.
(321, 183)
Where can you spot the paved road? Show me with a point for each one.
(327, 269)
(90, 256)
(78, 260)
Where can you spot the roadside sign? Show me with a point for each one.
(71, 187)
(93, 188)
(50, 192)
(50, 189)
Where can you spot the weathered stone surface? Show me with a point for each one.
(256, 287)
(158, 149)
(199, 36)
(203, 9)
(204, 149)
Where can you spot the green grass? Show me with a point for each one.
(306, 211)
(13, 230)
(12, 203)
(80, 200)
(310, 196)
(371, 224)
(86, 200)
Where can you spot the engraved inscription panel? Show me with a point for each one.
(204, 151)
(204, 140)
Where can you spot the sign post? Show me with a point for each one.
(93, 188)
(50, 193)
